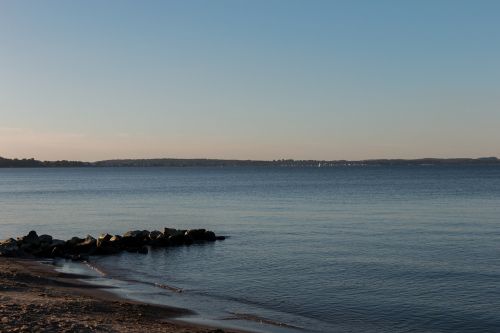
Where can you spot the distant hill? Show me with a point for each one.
(176, 162)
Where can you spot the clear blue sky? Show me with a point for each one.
(249, 79)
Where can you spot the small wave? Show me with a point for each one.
(95, 268)
(153, 284)
(167, 287)
(258, 319)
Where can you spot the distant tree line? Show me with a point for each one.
(175, 162)
(32, 163)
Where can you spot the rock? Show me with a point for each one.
(45, 239)
(132, 234)
(177, 240)
(54, 249)
(29, 243)
(57, 242)
(9, 248)
(5, 320)
(140, 234)
(106, 246)
(195, 234)
(210, 236)
(103, 240)
(116, 238)
(74, 241)
(220, 238)
(169, 232)
(31, 237)
(155, 234)
(199, 235)
(156, 238)
(135, 238)
(87, 246)
(57, 252)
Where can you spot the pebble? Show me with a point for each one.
(5, 320)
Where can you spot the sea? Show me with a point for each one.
(337, 249)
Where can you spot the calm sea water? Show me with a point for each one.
(351, 249)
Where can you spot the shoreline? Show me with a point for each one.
(37, 298)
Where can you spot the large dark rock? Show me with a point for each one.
(169, 232)
(177, 239)
(30, 238)
(135, 238)
(73, 242)
(210, 236)
(132, 234)
(156, 238)
(29, 243)
(105, 245)
(116, 241)
(103, 240)
(195, 234)
(116, 238)
(155, 234)
(57, 242)
(87, 246)
(200, 235)
(9, 248)
(47, 239)
(56, 248)
(57, 252)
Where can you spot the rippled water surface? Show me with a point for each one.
(351, 249)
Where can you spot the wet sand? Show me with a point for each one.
(36, 298)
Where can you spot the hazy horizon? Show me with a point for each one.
(241, 159)
(258, 80)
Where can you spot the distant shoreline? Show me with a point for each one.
(197, 162)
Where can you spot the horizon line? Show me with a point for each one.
(256, 160)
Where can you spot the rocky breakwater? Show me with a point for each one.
(138, 241)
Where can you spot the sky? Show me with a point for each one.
(249, 79)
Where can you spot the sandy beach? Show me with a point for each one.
(36, 298)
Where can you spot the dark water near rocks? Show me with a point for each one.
(351, 249)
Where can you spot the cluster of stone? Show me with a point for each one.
(139, 241)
